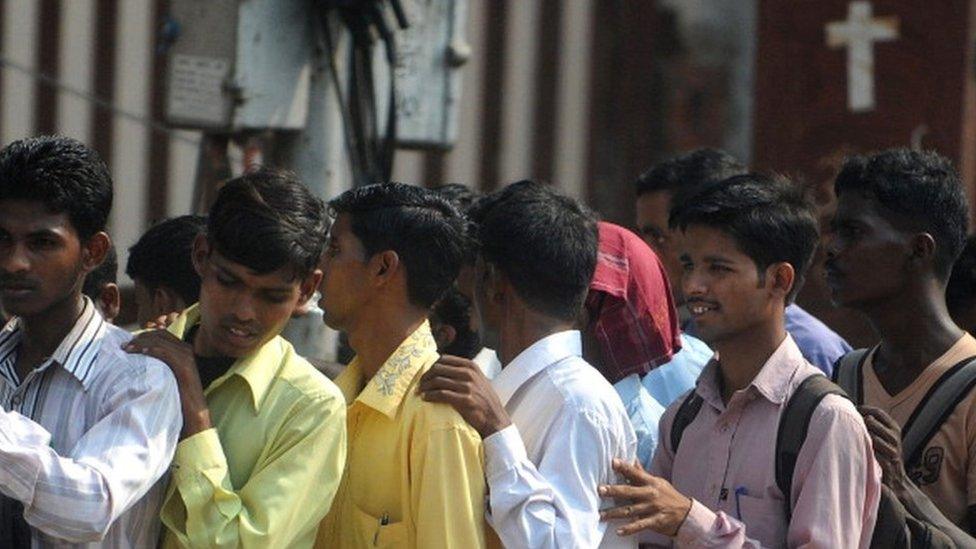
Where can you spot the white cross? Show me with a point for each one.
(858, 33)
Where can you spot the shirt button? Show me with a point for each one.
(725, 428)
(15, 401)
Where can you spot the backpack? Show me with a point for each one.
(895, 527)
(934, 409)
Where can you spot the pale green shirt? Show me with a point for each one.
(267, 472)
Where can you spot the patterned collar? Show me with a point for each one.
(385, 391)
(76, 353)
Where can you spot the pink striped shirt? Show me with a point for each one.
(726, 463)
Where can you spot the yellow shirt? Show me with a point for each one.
(266, 474)
(415, 475)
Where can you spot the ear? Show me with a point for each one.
(201, 250)
(780, 279)
(309, 284)
(444, 335)
(383, 266)
(110, 301)
(95, 249)
(923, 248)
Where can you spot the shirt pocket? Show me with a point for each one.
(765, 519)
(372, 532)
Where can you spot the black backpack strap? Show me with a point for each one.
(847, 373)
(687, 413)
(792, 431)
(936, 407)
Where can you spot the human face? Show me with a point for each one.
(867, 256)
(240, 309)
(652, 223)
(345, 275)
(42, 261)
(723, 289)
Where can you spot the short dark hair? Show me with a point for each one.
(684, 174)
(64, 175)
(162, 256)
(266, 220)
(768, 217)
(461, 196)
(454, 309)
(545, 244)
(104, 274)
(961, 290)
(921, 187)
(428, 233)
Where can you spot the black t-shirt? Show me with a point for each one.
(209, 367)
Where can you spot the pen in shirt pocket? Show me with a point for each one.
(740, 491)
(384, 520)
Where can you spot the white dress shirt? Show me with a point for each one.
(86, 437)
(543, 471)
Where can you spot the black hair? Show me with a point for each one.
(768, 217)
(429, 235)
(454, 309)
(267, 220)
(961, 290)
(920, 187)
(163, 257)
(104, 274)
(683, 175)
(64, 175)
(545, 244)
(461, 196)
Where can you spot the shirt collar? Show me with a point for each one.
(257, 369)
(772, 382)
(534, 359)
(384, 392)
(76, 353)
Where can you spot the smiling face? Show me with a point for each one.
(42, 261)
(242, 310)
(867, 256)
(723, 289)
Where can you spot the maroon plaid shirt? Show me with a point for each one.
(632, 312)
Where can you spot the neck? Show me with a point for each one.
(43, 332)
(743, 355)
(915, 327)
(520, 331)
(376, 336)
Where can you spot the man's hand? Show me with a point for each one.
(459, 382)
(178, 355)
(886, 440)
(161, 322)
(654, 503)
